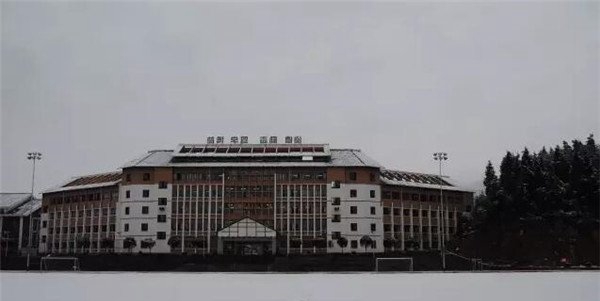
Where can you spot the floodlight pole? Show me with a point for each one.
(441, 157)
(31, 156)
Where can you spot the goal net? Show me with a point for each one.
(50, 263)
(394, 264)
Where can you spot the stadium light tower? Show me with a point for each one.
(31, 156)
(441, 156)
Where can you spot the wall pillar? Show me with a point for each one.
(20, 244)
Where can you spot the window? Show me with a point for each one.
(336, 235)
(146, 177)
(144, 227)
(336, 218)
(336, 201)
(161, 218)
(335, 184)
(352, 176)
(373, 210)
(415, 212)
(161, 235)
(373, 227)
(353, 227)
(353, 210)
(146, 193)
(374, 244)
(372, 193)
(126, 210)
(126, 227)
(352, 193)
(127, 194)
(386, 210)
(406, 212)
(330, 243)
(44, 224)
(162, 201)
(162, 185)
(387, 228)
(43, 238)
(145, 209)
(353, 244)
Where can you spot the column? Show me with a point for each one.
(420, 227)
(186, 188)
(208, 234)
(288, 220)
(392, 228)
(223, 200)
(202, 218)
(62, 215)
(20, 243)
(275, 201)
(402, 246)
(76, 229)
(53, 229)
(197, 209)
(429, 227)
(83, 229)
(301, 221)
(69, 229)
(99, 227)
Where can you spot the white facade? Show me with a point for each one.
(133, 221)
(358, 215)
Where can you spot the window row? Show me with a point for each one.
(415, 228)
(415, 212)
(80, 229)
(80, 213)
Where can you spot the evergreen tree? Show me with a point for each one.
(541, 206)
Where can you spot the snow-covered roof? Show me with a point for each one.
(419, 180)
(18, 204)
(88, 181)
(338, 157)
(9, 201)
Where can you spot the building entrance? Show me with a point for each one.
(246, 237)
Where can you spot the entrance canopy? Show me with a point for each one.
(247, 227)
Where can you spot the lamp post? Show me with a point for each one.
(441, 156)
(31, 156)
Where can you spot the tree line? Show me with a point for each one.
(541, 207)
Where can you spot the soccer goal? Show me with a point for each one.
(51, 263)
(394, 264)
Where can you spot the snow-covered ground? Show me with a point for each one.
(78, 286)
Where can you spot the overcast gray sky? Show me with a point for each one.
(94, 85)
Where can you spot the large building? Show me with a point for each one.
(242, 198)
